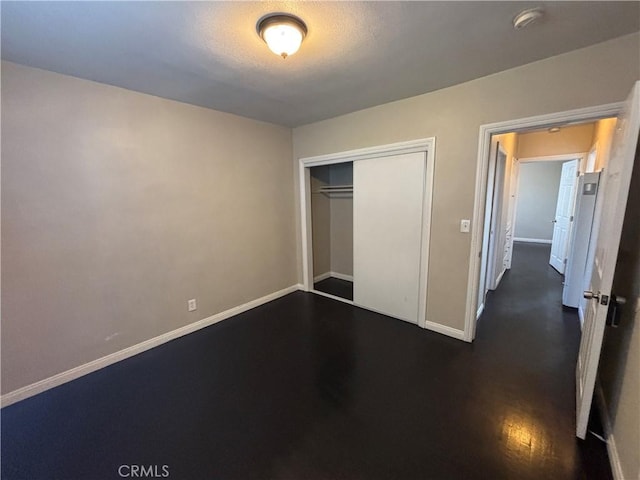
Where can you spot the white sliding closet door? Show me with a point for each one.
(388, 198)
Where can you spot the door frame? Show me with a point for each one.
(487, 279)
(426, 145)
(580, 115)
(493, 219)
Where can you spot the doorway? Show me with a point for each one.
(608, 222)
(531, 190)
(332, 232)
(392, 188)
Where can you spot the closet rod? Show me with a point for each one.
(335, 189)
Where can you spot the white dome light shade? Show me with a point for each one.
(282, 33)
(527, 17)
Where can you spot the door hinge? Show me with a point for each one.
(571, 218)
(565, 261)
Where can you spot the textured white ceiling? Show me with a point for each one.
(356, 54)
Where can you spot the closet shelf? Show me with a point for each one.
(329, 189)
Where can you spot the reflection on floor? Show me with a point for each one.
(335, 286)
(306, 387)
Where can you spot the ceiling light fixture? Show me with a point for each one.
(527, 17)
(554, 130)
(283, 33)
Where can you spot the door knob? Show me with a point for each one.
(589, 295)
(620, 300)
(614, 313)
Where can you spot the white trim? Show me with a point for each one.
(555, 158)
(484, 141)
(426, 231)
(499, 279)
(305, 227)
(322, 277)
(339, 276)
(532, 240)
(444, 330)
(480, 310)
(342, 276)
(426, 145)
(612, 449)
(411, 146)
(79, 371)
(333, 297)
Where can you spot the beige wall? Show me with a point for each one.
(453, 115)
(537, 199)
(602, 137)
(574, 139)
(118, 207)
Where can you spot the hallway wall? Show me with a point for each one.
(537, 199)
(572, 139)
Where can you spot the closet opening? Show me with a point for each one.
(365, 227)
(332, 228)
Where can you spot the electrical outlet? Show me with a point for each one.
(192, 305)
(465, 225)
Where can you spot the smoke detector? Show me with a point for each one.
(527, 17)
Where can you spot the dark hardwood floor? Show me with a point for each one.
(335, 286)
(306, 387)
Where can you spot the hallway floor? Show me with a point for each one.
(306, 387)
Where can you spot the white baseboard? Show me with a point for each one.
(612, 450)
(72, 374)
(499, 279)
(340, 276)
(444, 330)
(321, 277)
(334, 297)
(531, 240)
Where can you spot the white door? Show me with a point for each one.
(612, 202)
(388, 197)
(574, 275)
(564, 215)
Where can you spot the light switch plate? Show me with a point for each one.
(465, 226)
